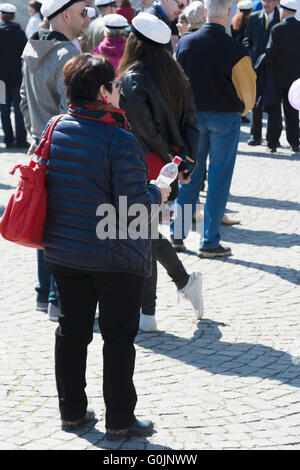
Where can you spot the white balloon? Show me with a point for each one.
(294, 95)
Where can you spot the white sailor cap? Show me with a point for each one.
(150, 29)
(51, 8)
(115, 21)
(245, 5)
(91, 12)
(104, 3)
(289, 5)
(7, 8)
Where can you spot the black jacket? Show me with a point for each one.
(283, 52)
(12, 43)
(154, 123)
(256, 35)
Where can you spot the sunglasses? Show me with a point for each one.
(118, 85)
(181, 5)
(83, 13)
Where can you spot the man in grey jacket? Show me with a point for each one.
(43, 96)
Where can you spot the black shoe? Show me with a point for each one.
(219, 251)
(178, 244)
(245, 120)
(10, 145)
(137, 429)
(273, 149)
(295, 148)
(70, 426)
(22, 145)
(254, 142)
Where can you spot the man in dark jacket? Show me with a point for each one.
(12, 43)
(168, 11)
(223, 84)
(257, 34)
(283, 54)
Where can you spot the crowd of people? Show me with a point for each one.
(136, 86)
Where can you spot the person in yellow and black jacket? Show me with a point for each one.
(224, 88)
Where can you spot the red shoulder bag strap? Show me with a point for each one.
(43, 149)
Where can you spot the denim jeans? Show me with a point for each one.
(219, 137)
(12, 98)
(46, 290)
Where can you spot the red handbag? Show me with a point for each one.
(24, 218)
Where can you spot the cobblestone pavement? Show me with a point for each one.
(229, 381)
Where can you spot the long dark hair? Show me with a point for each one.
(240, 19)
(36, 6)
(166, 72)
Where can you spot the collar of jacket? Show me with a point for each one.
(275, 17)
(158, 7)
(214, 25)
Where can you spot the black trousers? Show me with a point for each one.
(164, 252)
(273, 124)
(291, 116)
(120, 297)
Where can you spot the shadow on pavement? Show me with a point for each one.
(287, 274)
(97, 439)
(266, 154)
(266, 203)
(259, 237)
(206, 351)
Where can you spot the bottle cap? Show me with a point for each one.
(177, 160)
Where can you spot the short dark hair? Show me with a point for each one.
(8, 17)
(84, 75)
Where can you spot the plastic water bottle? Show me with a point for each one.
(168, 173)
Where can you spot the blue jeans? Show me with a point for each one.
(12, 98)
(46, 290)
(219, 137)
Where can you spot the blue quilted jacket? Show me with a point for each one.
(93, 163)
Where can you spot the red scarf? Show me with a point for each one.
(103, 112)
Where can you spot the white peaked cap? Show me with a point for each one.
(115, 21)
(7, 8)
(91, 12)
(103, 3)
(245, 5)
(289, 4)
(152, 28)
(51, 8)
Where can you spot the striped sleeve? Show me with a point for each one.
(244, 82)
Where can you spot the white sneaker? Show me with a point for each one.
(42, 306)
(53, 311)
(147, 323)
(193, 292)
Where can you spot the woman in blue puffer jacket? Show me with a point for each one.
(97, 176)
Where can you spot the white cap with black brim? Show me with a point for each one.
(150, 29)
(52, 8)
